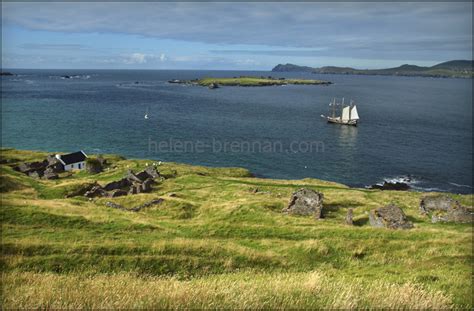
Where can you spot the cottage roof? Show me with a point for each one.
(73, 157)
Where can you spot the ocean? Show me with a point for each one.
(412, 129)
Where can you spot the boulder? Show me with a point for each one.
(387, 185)
(305, 202)
(390, 216)
(349, 216)
(445, 209)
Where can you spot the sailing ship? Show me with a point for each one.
(342, 114)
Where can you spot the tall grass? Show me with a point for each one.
(312, 290)
(218, 243)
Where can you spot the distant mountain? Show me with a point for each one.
(292, 68)
(450, 69)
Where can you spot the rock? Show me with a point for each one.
(399, 186)
(96, 191)
(390, 216)
(172, 195)
(115, 205)
(6, 73)
(445, 209)
(50, 174)
(305, 202)
(117, 193)
(349, 216)
(35, 174)
(213, 86)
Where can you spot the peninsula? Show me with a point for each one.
(201, 237)
(248, 81)
(451, 69)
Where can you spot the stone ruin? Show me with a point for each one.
(305, 202)
(131, 184)
(350, 217)
(390, 216)
(46, 169)
(442, 208)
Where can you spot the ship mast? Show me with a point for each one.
(334, 108)
(350, 108)
(342, 107)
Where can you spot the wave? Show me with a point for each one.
(459, 185)
(406, 179)
(69, 77)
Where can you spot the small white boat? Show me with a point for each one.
(348, 113)
(146, 114)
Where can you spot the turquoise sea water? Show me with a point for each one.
(411, 128)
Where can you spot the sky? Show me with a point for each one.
(234, 36)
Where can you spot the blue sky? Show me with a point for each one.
(222, 35)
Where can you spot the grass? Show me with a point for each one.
(256, 81)
(216, 243)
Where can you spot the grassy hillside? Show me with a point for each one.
(219, 240)
(256, 81)
(450, 69)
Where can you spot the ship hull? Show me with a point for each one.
(339, 121)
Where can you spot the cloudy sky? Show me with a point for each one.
(233, 35)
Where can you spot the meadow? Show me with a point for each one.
(257, 81)
(219, 240)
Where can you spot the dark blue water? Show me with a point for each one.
(416, 127)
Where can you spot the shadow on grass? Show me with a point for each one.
(362, 221)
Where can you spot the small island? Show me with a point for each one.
(248, 81)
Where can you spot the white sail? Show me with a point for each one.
(354, 114)
(345, 113)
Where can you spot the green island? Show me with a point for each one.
(218, 239)
(249, 81)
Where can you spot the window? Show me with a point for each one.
(79, 165)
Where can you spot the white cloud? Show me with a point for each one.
(163, 57)
(136, 58)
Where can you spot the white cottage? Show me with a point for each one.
(73, 161)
